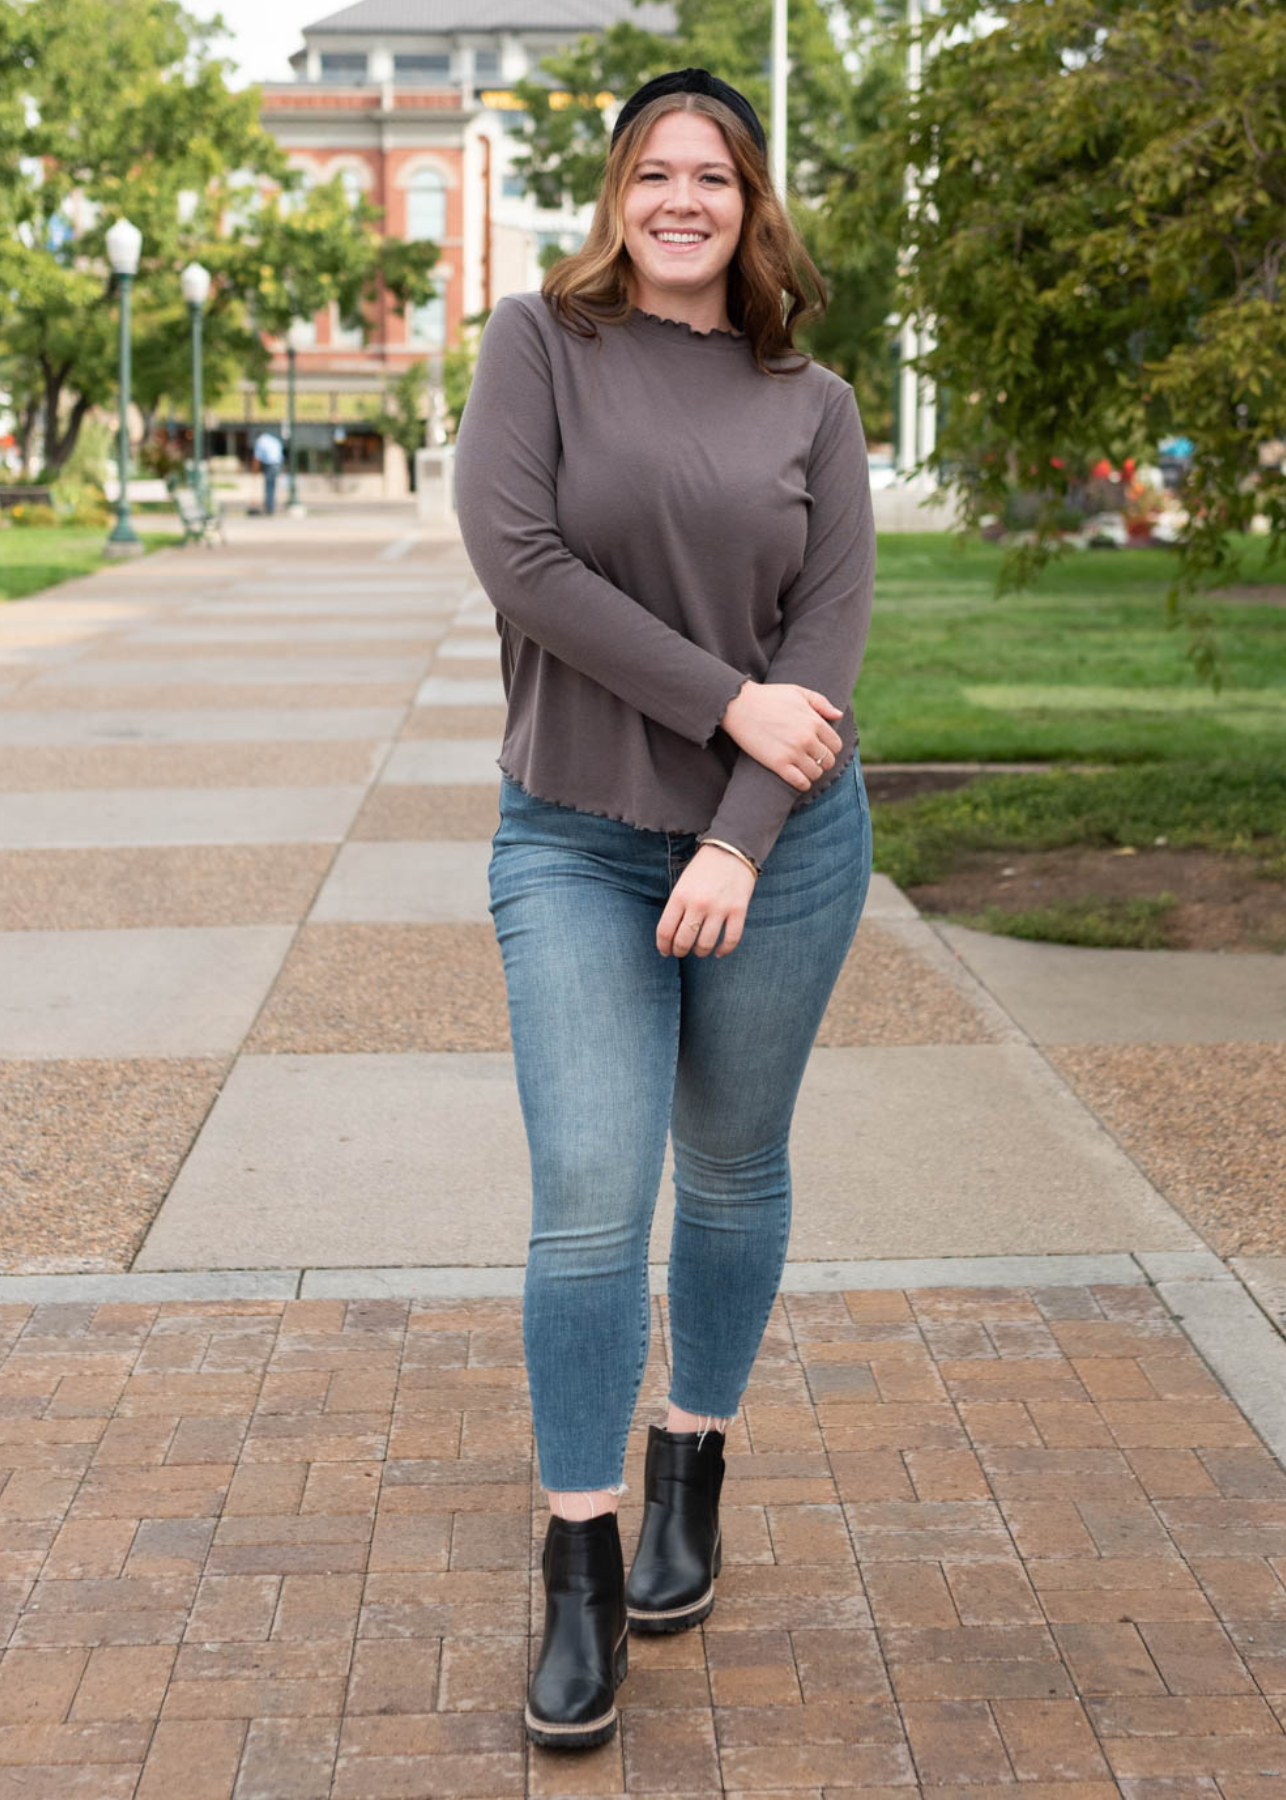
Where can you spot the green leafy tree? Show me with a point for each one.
(832, 107)
(402, 415)
(458, 363)
(121, 107)
(1098, 242)
(110, 107)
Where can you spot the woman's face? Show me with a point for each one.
(682, 211)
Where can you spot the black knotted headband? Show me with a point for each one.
(693, 81)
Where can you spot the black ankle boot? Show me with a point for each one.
(671, 1581)
(571, 1701)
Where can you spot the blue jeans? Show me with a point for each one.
(269, 487)
(615, 1044)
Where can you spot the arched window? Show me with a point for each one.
(426, 206)
(429, 323)
(351, 182)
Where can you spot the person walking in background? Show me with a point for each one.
(669, 507)
(268, 454)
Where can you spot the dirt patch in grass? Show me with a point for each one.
(1219, 901)
(1254, 593)
(908, 783)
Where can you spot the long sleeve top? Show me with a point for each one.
(655, 519)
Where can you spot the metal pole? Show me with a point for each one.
(778, 139)
(292, 498)
(909, 385)
(198, 448)
(926, 436)
(123, 535)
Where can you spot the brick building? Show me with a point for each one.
(410, 103)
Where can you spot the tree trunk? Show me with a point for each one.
(26, 431)
(59, 446)
(54, 379)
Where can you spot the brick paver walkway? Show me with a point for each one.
(973, 1538)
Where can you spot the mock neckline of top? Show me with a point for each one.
(680, 331)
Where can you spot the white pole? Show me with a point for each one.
(908, 383)
(917, 397)
(927, 428)
(778, 138)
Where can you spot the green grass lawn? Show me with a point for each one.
(1084, 668)
(35, 557)
(1236, 805)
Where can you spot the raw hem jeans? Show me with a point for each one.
(615, 1044)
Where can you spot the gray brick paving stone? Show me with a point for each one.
(483, 643)
(304, 631)
(443, 690)
(415, 883)
(280, 603)
(1067, 994)
(157, 992)
(91, 817)
(885, 900)
(236, 725)
(351, 1159)
(243, 670)
(876, 1276)
(444, 760)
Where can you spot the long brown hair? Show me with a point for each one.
(773, 283)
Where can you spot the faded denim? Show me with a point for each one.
(614, 1045)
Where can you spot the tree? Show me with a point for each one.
(458, 363)
(402, 415)
(832, 108)
(112, 107)
(1099, 244)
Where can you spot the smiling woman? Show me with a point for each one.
(669, 508)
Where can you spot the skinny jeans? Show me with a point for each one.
(616, 1046)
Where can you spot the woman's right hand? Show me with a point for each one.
(785, 727)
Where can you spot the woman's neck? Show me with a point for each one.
(706, 310)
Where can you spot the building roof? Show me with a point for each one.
(432, 17)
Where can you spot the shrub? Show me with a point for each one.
(33, 513)
(158, 455)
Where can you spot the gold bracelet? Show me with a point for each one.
(720, 845)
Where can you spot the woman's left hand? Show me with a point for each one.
(712, 895)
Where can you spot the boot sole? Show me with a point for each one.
(678, 1618)
(584, 1733)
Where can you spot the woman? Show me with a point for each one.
(670, 510)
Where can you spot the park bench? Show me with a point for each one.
(201, 518)
(17, 493)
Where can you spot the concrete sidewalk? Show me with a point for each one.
(1006, 1503)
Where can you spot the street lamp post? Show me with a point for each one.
(296, 339)
(124, 241)
(195, 283)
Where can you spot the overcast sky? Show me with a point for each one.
(264, 32)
